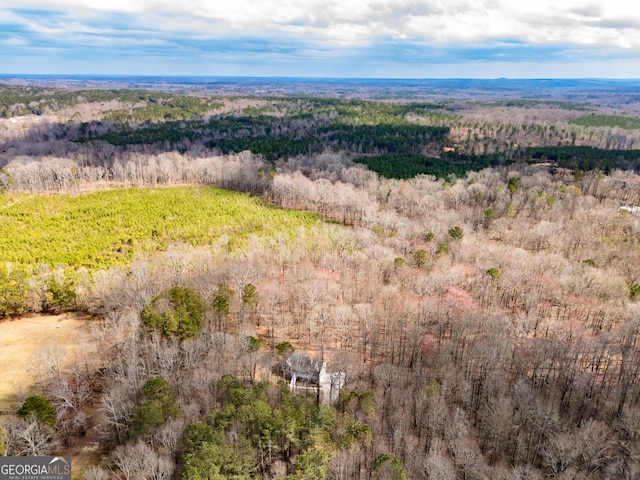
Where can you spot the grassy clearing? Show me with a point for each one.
(28, 341)
(102, 229)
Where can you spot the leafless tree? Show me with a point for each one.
(437, 463)
(30, 437)
(343, 465)
(95, 473)
(140, 461)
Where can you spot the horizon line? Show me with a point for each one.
(300, 77)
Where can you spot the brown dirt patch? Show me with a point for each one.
(23, 341)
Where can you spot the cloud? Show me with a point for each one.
(346, 23)
(340, 31)
(13, 41)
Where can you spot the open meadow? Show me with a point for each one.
(29, 346)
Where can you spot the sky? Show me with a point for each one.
(323, 38)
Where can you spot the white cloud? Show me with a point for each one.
(420, 34)
(13, 42)
(358, 22)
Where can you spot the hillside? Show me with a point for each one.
(102, 229)
(486, 323)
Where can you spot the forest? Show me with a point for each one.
(465, 261)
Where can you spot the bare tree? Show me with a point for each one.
(437, 463)
(559, 453)
(28, 436)
(95, 473)
(343, 465)
(140, 461)
(117, 407)
(241, 274)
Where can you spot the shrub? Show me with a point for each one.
(443, 249)
(399, 262)
(39, 406)
(159, 405)
(284, 348)
(13, 290)
(494, 273)
(253, 344)
(420, 258)
(176, 312)
(456, 233)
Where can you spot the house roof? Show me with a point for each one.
(304, 365)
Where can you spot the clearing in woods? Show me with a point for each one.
(27, 343)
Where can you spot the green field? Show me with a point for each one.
(608, 121)
(107, 228)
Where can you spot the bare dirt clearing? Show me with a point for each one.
(27, 341)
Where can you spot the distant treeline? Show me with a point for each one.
(619, 121)
(391, 150)
(146, 105)
(273, 138)
(400, 165)
(396, 140)
(408, 166)
(586, 158)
